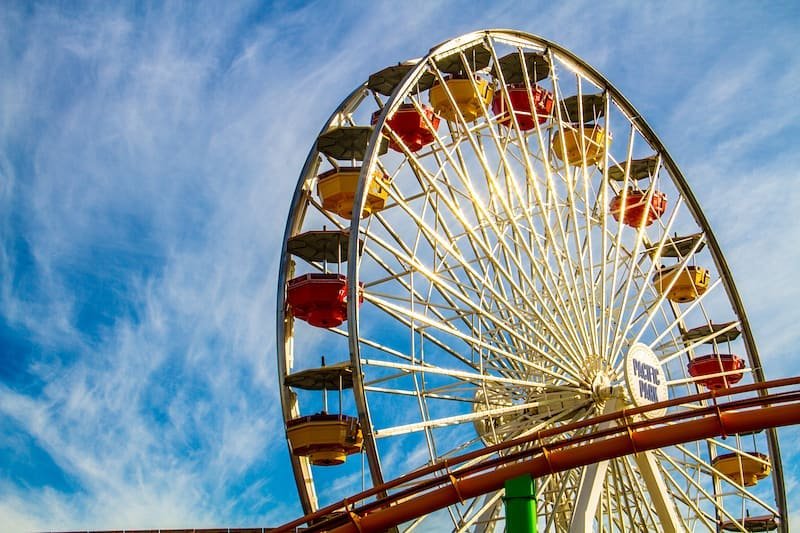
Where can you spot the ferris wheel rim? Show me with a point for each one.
(369, 162)
(308, 498)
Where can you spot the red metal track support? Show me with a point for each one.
(450, 487)
(564, 459)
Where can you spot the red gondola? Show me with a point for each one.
(319, 299)
(708, 365)
(521, 103)
(411, 127)
(752, 523)
(636, 209)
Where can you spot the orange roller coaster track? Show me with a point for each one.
(437, 486)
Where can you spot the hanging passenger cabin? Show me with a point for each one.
(337, 190)
(713, 333)
(752, 524)
(590, 137)
(743, 469)
(518, 71)
(385, 81)
(411, 126)
(466, 101)
(521, 98)
(582, 137)
(678, 247)
(634, 209)
(716, 371)
(319, 298)
(469, 96)
(691, 283)
(326, 439)
(321, 246)
(337, 187)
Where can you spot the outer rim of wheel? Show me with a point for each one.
(300, 466)
(369, 164)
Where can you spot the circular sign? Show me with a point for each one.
(645, 378)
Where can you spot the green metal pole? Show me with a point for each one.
(520, 503)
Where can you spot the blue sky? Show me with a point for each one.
(148, 153)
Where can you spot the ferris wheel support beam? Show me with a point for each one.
(591, 488)
(657, 489)
(591, 485)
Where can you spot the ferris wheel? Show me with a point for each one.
(488, 242)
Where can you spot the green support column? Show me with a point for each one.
(520, 503)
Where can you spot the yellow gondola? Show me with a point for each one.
(467, 101)
(594, 143)
(745, 470)
(337, 190)
(692, 282)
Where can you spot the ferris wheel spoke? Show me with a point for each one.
(424, 394)
(510, 308)
(398, 277)
(461, 172)
(484, 513)
(503, 367)
(622, 502)
(600, 207)
(689, 347)
(439, 344)
(716, 443)
(403, 259)
(626, 290)
(637, 283)
(740, 489)
(470, 340)
(686, 311)
(586, 308)
(442, 266)
(653, 478)
(455, 208)
(527, 155)
(518, 427)
(592, 479)
(558, 493)
(621, 332)
(586, 249)
(425, 416)
(546, 279)
(651, 316)
(461, 375)
(617, 248)
(618, 502)
(696, 485)
(547, 412)
(453, 420)
(683, 497)
(469, 308)
(570, 221)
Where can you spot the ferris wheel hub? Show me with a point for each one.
(601, 388)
